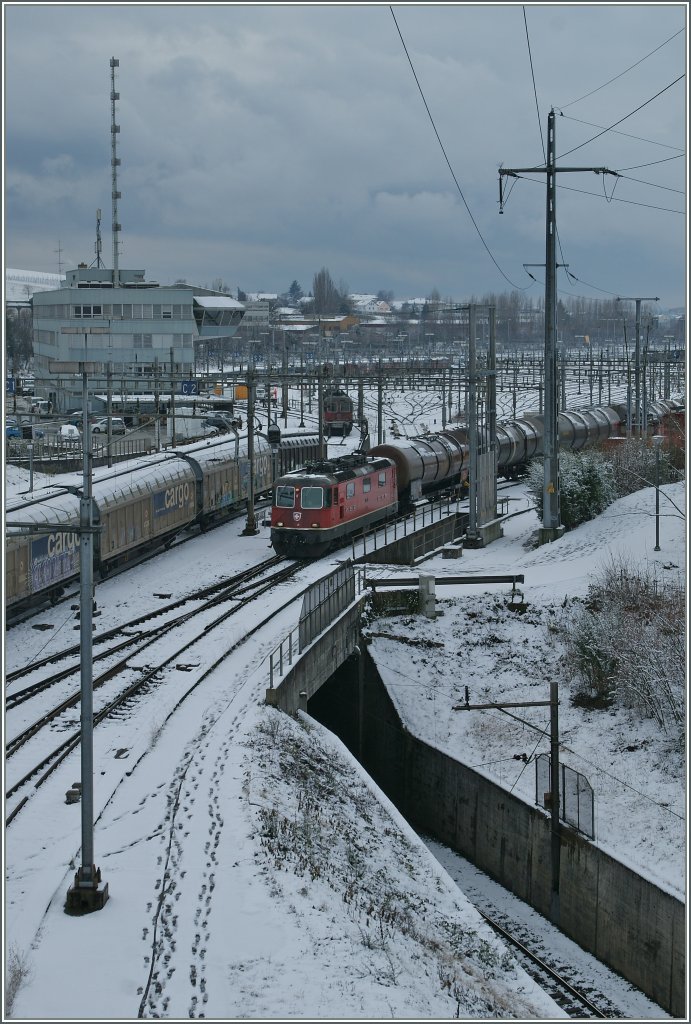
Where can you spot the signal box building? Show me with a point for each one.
(139, 325)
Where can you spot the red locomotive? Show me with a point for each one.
(338, 412)
(315, 508)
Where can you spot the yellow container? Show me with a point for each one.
(241, 392)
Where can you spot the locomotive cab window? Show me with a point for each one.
(382, 479)
(350, 490)
(312, 497)
(367, 484)
(285, 496)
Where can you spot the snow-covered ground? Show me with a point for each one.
(255, 872)
(637, 772)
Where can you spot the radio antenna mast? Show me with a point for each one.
(59, 252)
(98, 262)
(114, 162)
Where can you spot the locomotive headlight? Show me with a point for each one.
(315, 526)
(279, 523)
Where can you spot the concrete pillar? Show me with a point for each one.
(427, 596)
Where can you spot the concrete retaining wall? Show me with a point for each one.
(621, 918)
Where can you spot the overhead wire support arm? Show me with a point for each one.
(514, 172)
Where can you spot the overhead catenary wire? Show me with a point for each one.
(652, 184)
(652, 163)
(609, 199)
(626, 135)
(621, 120)
(532, 73)
(562, 106)
(448, 162)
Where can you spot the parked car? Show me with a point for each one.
(68, 432)
(12, 430)
(76, 418)
(117, 425)
(42, 406)
(221, 421)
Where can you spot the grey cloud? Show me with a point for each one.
(278, 139)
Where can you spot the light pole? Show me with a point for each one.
(88, 892)
(657, 441)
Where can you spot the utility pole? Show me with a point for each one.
(554, 794)
(552, 528)
(109, 414)
(471, 529)
(637, 425)
(251, 527)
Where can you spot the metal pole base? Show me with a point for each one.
(547, 534)
(250, 531)
(85, 897)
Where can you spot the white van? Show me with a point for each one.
(68, 432)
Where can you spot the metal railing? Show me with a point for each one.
(321, 605)
(425, 514)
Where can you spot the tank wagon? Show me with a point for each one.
(423, 465)
(139, 506)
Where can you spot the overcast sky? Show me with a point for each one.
(260, 143)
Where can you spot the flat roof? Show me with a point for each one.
(217, 302)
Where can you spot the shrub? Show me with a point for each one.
(17, 974)
(586, 486)
(627, 644)
(634, 466)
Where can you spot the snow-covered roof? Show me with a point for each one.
(20, 285)
(217, 302)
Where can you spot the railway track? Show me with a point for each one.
(237, 580)
(576, 1003)
(246, 589)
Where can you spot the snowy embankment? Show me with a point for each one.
(637, 770)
